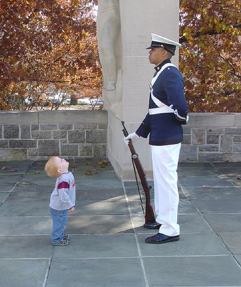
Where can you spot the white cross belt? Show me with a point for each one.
(162, 110)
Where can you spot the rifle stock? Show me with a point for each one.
(149, 214)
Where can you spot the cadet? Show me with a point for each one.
(167, 113)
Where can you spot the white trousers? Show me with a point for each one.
(166, 197)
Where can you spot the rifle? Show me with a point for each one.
(149, 215)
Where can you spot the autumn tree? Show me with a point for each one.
(47, 45)
(210, 33)
(51, 45)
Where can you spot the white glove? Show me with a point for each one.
(133, 136)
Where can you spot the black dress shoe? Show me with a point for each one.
(152, 225)
(160, 238)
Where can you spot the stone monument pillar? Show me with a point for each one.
(124, 30)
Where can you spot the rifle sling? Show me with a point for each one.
(138, 187)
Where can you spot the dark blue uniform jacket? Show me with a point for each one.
(166, 128)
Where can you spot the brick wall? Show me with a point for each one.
(38, 135)
(214, 137)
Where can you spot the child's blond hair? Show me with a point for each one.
(51, 168)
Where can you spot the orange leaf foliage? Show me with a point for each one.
(47, 44)
(210, 33)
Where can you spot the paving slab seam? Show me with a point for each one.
(12, 173)
(226, 213)
(44, 216)
(184, 256)
(28, 216)
(220, 172)
(25, 235)
(19, 258)
(136, 238)
(218, 186)
(214, 187)
(199, 212)
(47, 272)
(71, 234)
(9, 192)
(220, 238)
(99, 258)
(48, 268)
(183, 232)
(233, 256)
(21, 177)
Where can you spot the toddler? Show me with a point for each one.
(62, 198)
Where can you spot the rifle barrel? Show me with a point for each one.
(149, 215)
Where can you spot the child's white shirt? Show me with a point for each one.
(63, 195)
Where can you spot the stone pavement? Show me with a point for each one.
(107, 239)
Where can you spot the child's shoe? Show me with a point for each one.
(63, 242)
(67, 237)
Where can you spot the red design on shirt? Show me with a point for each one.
(63, 184)
(73, 185)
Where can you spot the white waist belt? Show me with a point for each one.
(162, 110)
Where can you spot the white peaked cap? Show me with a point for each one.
(163, 40)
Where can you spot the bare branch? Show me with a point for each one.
(210, 32)
(231, 66)
(231, 92)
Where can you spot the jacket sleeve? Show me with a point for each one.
(63, 190)
(144, 129)
(173, 86)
